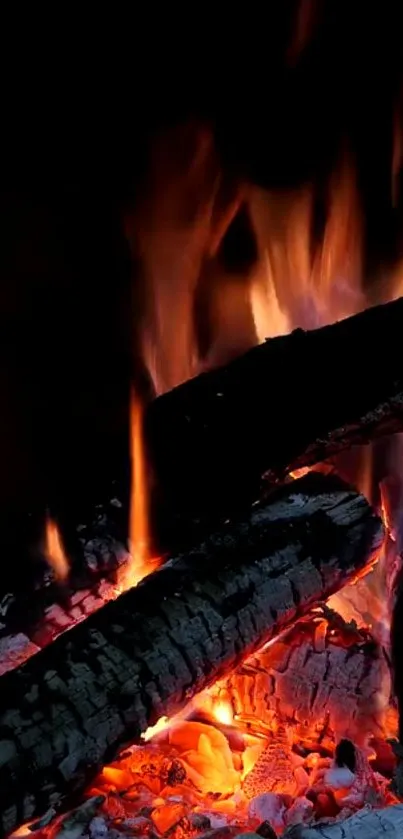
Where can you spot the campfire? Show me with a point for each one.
(226, 688)
(223, 693)
(227, 669)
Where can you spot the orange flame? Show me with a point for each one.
(140, 563)
(54, 550)
(298, 284)
(223, 713)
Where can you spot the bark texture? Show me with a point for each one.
(291, 402)
(322, 677)
(367, 824)
(71, 707)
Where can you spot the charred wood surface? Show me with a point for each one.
(291, 402)
(322, 677)
(71, 707)
(49, 607)
(367, 824)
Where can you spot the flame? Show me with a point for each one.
(364, 482)
(54, 550)
(307, 273)
(161, 725)
(172, 234)
(299, 284)
(223, 713)
(191, 768)
(141, 562)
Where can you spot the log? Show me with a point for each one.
(322, 678)
(36, 615)
(73, 706)
(288, 403)
(367, 824)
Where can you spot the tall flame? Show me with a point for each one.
(141, 563)
(298, 283)
(54, 550)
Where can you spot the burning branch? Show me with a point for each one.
(291, 402)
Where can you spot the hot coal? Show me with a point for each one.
(145, 654)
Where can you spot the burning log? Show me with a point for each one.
(370, 824)
(325, 680)
(70, 708)
(274, 410)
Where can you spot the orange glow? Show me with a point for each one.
(54, 550)
(223, 712)
(296, 284)
(217, 766)
(260, 734)
(299, 473)
(364, 482)
(140, 563)
(176, 227)
(161, 725)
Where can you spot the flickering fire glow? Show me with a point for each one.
(209, 766)
(54, 551)
(215, 758)
(140, 562)
(270, 728)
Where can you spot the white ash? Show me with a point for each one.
(216, 820)
(367, 824)
(300, 812)
(98, 829)
(339, 777)
(268, 807)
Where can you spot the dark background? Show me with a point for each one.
(76, 139)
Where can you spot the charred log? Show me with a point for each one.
(322, 678)
(291, 402)
(47, 608)
(370, 824)
(71, 707)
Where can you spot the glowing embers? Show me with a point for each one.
(297, 733)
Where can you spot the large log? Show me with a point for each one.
(71, 707)
(290, 402)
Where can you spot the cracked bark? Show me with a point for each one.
(322, 677)
(271, 411)
(368, 824)
(75, 704)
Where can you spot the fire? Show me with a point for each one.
(298, 284)
(141, 562)
(268, 728)
(271, 725)
(223, 712)
(161, 725)
(54, 550)
(257, 730)
(173, 233)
